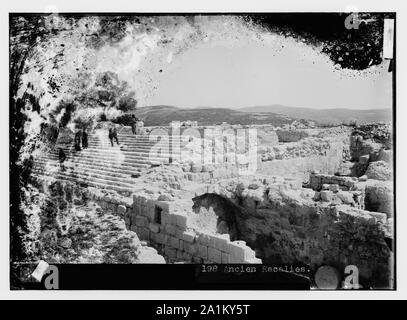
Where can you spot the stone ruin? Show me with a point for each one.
(317, 196)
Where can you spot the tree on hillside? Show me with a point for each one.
(107, 95)
(38, 47)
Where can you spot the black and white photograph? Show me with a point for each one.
(224, 150)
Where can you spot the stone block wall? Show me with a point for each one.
(373, 195)
(288, 226)
(317, 181)
(291, 135)
(113, 203)
(167, 228)
(301, 167)
(205, 173)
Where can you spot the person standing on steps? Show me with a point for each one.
(84, 139)
(134, 124)
(78, 136)
(113, 135)
(62, 158)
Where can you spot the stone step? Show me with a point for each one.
(84, 172)
(97, 169)
(104, 166)
(84, 179)
(101, 164)
(139, 144)
(126, 151)
(129, 147)
(137, 137)
(87, 182)
(121, 146)
(126, 170)
(140, 138)
(108, 158)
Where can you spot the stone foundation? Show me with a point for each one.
(172, 232)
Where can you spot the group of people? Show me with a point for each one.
(80, 142)
(81, 136)
(81, 139)
(113, 130)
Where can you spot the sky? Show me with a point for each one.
(253, 74)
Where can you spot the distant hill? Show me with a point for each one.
(163, 115)
(326, 116)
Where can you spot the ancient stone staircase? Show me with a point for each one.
(104, 166)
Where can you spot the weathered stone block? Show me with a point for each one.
(165, 206)
(144, 234)
(334, 187)
(220, 242)
(178, 233)
(225, 257)
(154, 227)
(346, 197)
(165, 218)
(326, 195)
(382, 217)
(180, 255)
(181, 221)
(188, 236)
(171, 229)
(143, 211)
(173, 219)
(127, 218)
(181, 244)
(121, 210)
(191, 248)
(203, 251)
(385, 155)
(153, 237)
(187, 257)
(204, 239)
(151, 215)
(253, 260)
(104, 205)
(363, 178)
(161, 238)
(113, 207)
(364, 159)
(141, 221)
(170, 252)
(239, 252)
(214, 255)
(325, 186)
(173, 242)
(136, 209)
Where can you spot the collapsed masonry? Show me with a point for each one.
(323, 197)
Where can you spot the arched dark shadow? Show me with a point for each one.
(225, 210)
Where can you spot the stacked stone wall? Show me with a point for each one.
(169, 230)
